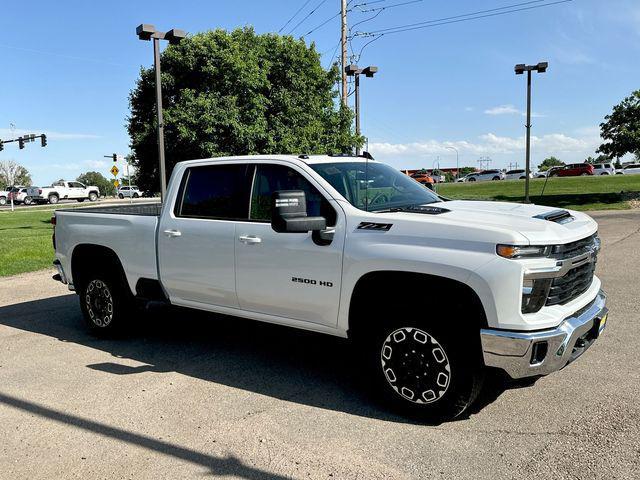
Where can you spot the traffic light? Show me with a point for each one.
(1, 145)
(43, 140)
(21, 142)
(115, 157)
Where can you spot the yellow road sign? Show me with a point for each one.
(114, 171)
(116, 183)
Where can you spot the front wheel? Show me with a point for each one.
(424, 371)
(471, 179)
(135, 195)
(495, 178)
(27, 201)
(93, 196)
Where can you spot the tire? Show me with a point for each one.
(522, 178)
(120, 196)
(105, 301)
(93, 196)
(605, 173)
(3, 200)
(472, 179)
(403, 356)
(135, 195)
(53, 199)
(80, 200)
(27, 201)
(584, 174)
(495, 178)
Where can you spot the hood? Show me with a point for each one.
(531, 221)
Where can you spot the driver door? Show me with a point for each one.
(288, 274)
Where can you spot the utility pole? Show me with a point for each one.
(520, 69)
(457, 161)
(343, 41)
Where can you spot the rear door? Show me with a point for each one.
(289, 274)
(196, 238)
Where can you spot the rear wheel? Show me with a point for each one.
(120, 196)
(472, 179)
(3, 200)
(80, 200)
(104, 301)
(584, 174)
(495, 178)
(28, 201)
(53, 199)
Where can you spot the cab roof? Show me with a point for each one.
(308, 159)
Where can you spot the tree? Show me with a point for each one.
(550, 162)
(596, 160)
(13, 174)
(96, 178)
(621, 128)
(466, 171)
(231, 93)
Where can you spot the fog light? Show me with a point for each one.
(539, 352)
(534, 294)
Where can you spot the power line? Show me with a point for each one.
(294, 15)
(307, 16)
(384, 7)
(322, 24)
(457, 18)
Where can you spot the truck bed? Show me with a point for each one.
(144, 209)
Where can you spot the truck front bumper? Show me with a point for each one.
(526, 354)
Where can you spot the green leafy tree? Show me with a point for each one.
(596, 160)
(105, 186)
(466, 171)
(12, 173)
(549, 162)
(232, 93)
(621, 128)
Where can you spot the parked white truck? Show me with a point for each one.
(341, 245)
(64, 190)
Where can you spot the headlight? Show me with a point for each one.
(513, 251)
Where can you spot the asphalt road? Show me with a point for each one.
(194, 396)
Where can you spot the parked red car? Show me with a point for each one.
(573, 170)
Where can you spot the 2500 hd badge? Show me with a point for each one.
(311, 281)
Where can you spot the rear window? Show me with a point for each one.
(215, 192)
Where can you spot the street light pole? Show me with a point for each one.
(520, 69)
(457, 161)
(355, 71)
(163, 168)
(149, 32)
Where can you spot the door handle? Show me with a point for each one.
(249, 239)
(172, 233)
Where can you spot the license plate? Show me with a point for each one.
(603, 323)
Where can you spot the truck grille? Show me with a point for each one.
(577, 280)
(573, 249)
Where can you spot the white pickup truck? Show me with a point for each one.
(341, 245)
(63, 190)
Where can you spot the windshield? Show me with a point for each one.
(374, 186)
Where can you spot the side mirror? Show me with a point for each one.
(289, 213)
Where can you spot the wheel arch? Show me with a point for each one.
(403, 286)
(86, 257)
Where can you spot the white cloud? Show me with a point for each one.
(502, 110)
(509, 109)
(571, 148)
(51, 135)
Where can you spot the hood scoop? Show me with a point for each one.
(556, 216)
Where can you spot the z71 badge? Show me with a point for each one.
(311, 281)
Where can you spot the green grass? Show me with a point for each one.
(578, 193)
(25, 241)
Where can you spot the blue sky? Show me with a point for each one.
(68, 67)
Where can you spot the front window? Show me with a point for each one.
(374, 186)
